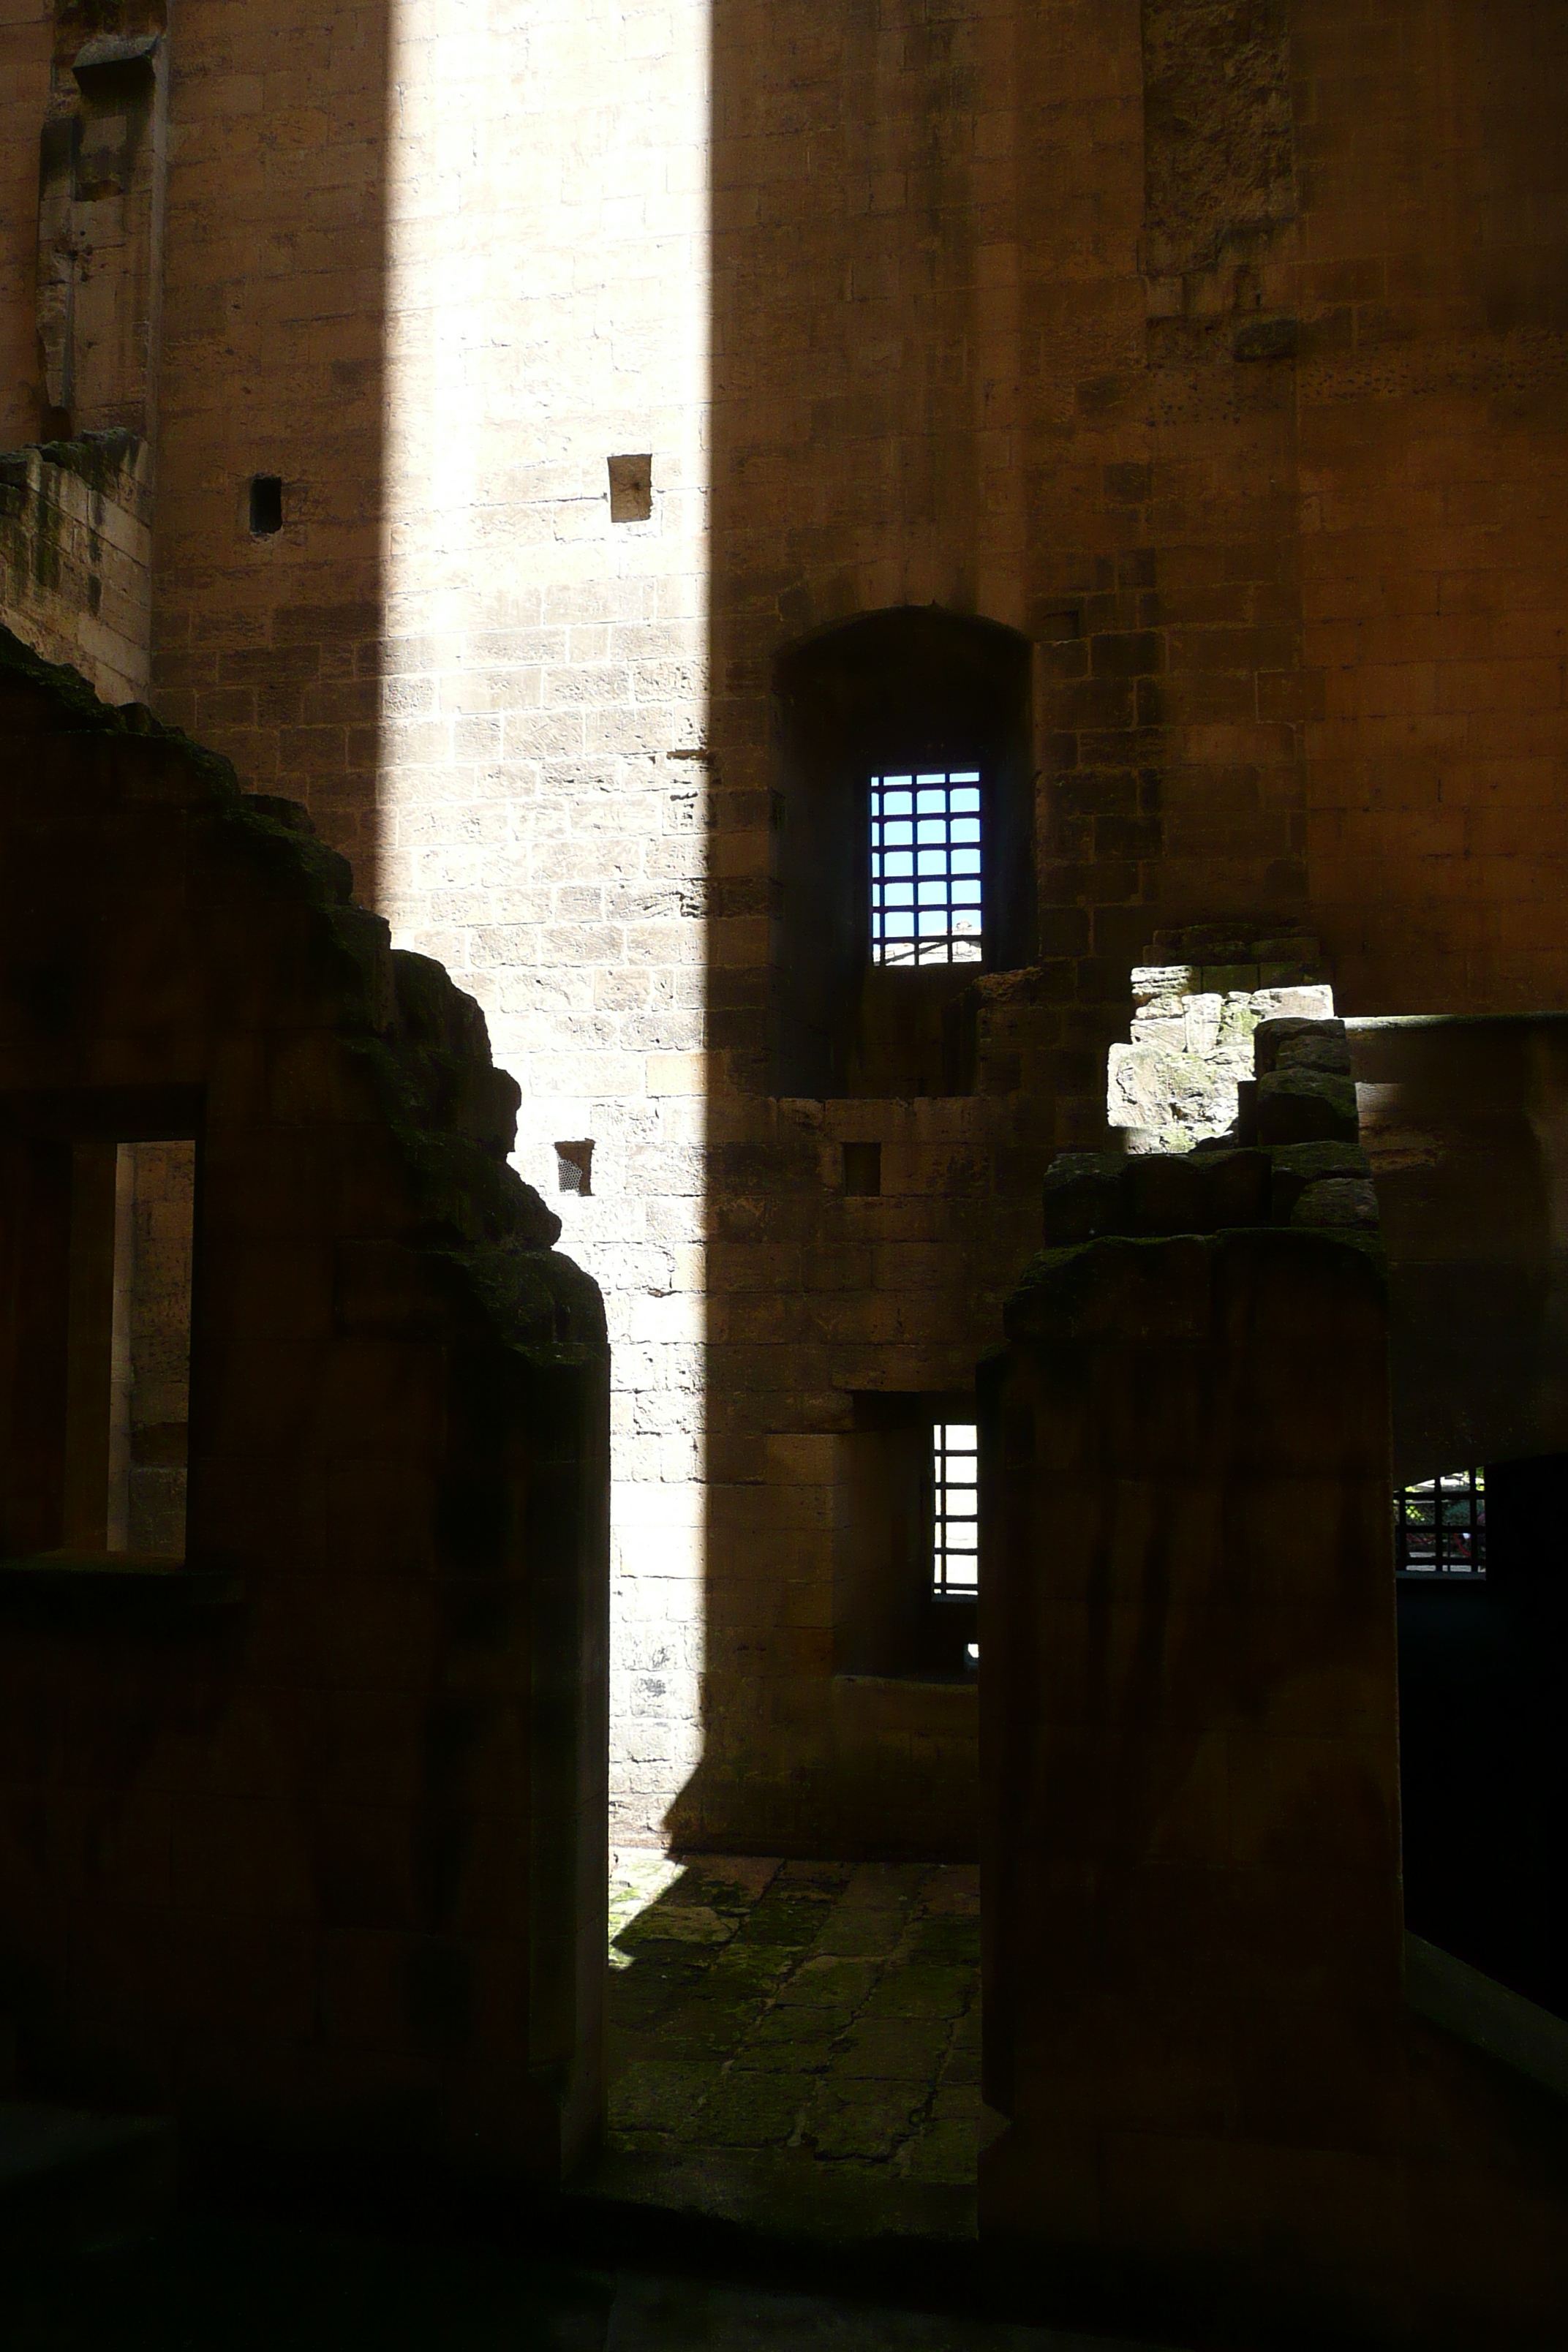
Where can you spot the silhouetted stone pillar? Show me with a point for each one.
(1190, 1768)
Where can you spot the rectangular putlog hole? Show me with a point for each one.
(266, 505)
(631, 489)
(574, 1168)
(863, 1170)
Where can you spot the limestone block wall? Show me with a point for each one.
(26, 39)
(1433, 467)
(1215, 350)
(434, 282)
(1177, 1082)
(545, 805)
(267, 646)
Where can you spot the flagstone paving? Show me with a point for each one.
(792, 2045)
(797, 2042)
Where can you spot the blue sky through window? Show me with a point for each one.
(926, 883)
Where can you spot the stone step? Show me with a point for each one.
(70, 2179)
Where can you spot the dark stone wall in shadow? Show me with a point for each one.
(1221, 2110)
(303, 1837)
(1465, 1122)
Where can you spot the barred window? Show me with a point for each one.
(955, 1510)
(1440, 1525)
(925, 868)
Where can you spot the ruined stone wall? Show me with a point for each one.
(1198, 1000)
(76, 556)
(1212, 348)
(1467, 1125)
(302, 1833)
(1222, 2112)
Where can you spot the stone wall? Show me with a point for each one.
(26, 40)
(1215, 350)
(76, 556)
(76, 512)
(302, 1833)
(1466, 1123)
(1180, 1080)
(1222, 2118)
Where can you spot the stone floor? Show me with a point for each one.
(214, 2287)
(795, 2044)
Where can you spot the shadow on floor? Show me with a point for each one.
(795, 2045)
(794, 2118)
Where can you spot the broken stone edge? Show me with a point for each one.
(1061, 1293)
(419, 1040)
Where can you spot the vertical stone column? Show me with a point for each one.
(1193, 1992)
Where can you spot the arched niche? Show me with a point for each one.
(908, 691)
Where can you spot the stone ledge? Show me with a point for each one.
(1091, 1196)
(1448, 1992)
(68, 1587)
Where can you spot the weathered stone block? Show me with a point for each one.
(1297, 1165)
(1166, 1193)
(1083, 1196)
(1296, 1045)
(1305, 1107)
(1236, 1188)
(1349, 1202)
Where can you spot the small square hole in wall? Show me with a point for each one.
(631, 489)
(266, 505)
(574, 1168)
(863, 1170)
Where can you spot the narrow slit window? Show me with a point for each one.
(955, 1510)
(128, 1408)
(1440, 1525)
(926, 873)
(156, 1184)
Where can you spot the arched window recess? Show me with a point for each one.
(907, 857)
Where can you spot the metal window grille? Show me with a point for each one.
(955, 1510)
(925, 868)
(1440, 1525)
